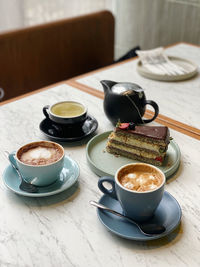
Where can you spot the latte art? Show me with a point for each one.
(40, 154)
(140, 180)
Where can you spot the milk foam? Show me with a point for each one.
(140, 181)
(37, 153)
(40, 155)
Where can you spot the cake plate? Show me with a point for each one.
(105, 164)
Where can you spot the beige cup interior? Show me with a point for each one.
(68, 109)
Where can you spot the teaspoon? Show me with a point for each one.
(30, 188)
(147, 229)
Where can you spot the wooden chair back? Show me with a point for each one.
(35, 57)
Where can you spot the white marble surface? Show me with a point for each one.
(177, 100)
(63, 230)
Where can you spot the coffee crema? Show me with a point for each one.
(40, 153)
(68, 109)
(140, 178)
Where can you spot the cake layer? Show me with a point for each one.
(117, 151)
(147, 139)
(136, 151)
(127, 146)
(145, 143)
(154, 133)
(130, 141)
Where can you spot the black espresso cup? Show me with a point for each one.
(66, 112)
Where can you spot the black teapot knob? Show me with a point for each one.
(127, 88)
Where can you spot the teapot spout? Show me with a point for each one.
(107, 85)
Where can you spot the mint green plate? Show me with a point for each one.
(103, 163)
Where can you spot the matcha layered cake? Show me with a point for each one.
(144, 143)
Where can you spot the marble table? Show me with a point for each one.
(64, 230)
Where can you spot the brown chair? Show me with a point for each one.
(35, 57)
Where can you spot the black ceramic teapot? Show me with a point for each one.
(126, 102)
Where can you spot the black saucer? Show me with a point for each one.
(65, 133)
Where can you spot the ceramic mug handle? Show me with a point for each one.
(46, 114)
(156, 109)
(1, 93)
(111, 192)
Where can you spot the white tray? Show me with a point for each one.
(191, 68)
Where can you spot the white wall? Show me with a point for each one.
(148, 23)
(40, 11)
(11, 14)
(152, 23)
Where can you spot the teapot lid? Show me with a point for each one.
(121, 87)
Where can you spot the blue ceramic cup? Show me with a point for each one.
(41, 175)
(141, 205)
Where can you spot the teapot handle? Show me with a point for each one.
(156, 109)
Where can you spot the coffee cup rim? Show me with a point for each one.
(136, 192)
(43, 165)
(65, 117)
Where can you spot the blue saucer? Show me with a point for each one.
(168, 213)
(68, 177)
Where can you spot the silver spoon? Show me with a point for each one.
(147, 229)
(24, 186)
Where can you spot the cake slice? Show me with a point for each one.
(144, 143)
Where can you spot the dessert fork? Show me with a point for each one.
(1, 93)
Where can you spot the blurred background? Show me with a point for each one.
(47, 41)
(147, 23)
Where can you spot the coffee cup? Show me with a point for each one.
(66, 112)
(40, 162)
(139, 188)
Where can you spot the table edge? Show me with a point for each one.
(69, 81)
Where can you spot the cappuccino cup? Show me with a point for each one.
(66, 112)
(40, 162)
(139, 188)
